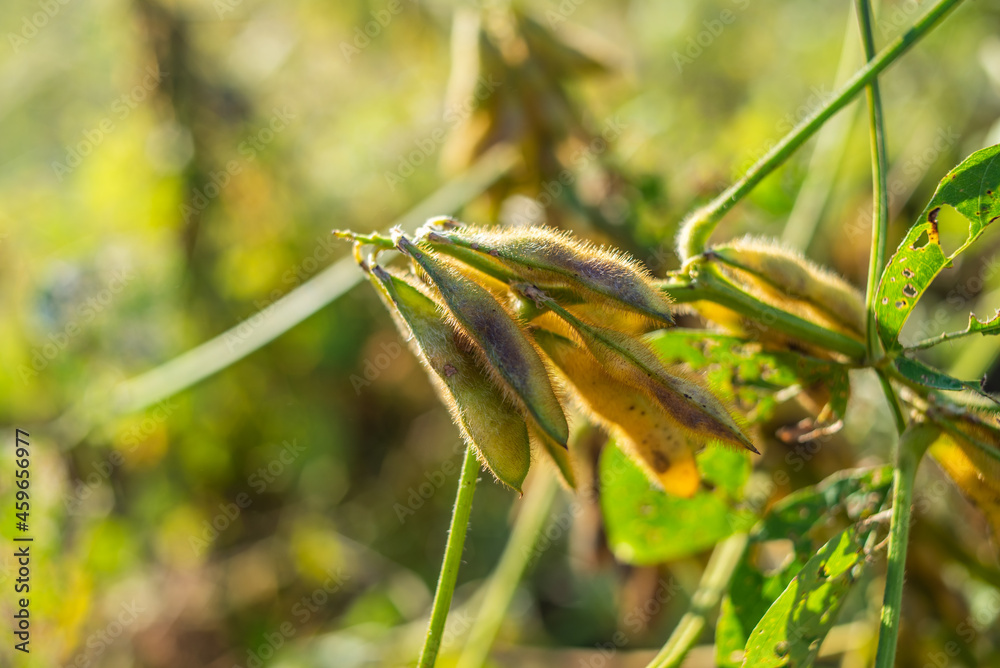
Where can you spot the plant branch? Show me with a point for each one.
(699, 226)
(706, 283)
(452, 559)
(714, 583)
(912, 445)
(880, 188)
(509, 570)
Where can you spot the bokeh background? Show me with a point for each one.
(170, 169)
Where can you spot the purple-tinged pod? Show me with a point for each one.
(550, 260)
(506, 347)
(487, 420)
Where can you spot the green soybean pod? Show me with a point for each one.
(511, 355)
(487, 420)
(552, 259)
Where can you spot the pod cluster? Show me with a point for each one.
(513, 325)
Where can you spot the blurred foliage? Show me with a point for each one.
(173, 167)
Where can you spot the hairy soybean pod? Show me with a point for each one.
(550, 259)
(488, 422)
(644, 430)
(796, 277)
(629, 360)
(505, 345)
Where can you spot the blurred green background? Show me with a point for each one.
(169, 169)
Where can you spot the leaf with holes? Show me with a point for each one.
(740, 371)
(972, 189)
(792, 630)
(647, 526)
(855, 494)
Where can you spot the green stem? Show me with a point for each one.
(509, 570)
(720, 291)
(699, 225)
(714, 583)
(941, 338)
(890, 395)
(452, 559)
(912, 445)
(880, 188)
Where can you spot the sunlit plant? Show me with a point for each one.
(520, 327)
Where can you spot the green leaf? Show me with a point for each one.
(791, 631)
(648, 526)
(855, 493)
(971, 189)
(740, 371)
(928, 376)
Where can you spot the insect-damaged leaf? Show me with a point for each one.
(488, 422)
(792, 630)
(852, 494)
(511, 354)
(972, 189)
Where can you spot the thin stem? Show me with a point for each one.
(880, 188)
(890, 395)
(714, 583)
(912, 445)
(452, 559)
(515, 559)
(699, 225)
(941, 338)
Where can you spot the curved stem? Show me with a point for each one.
(509, 570)
(880, 189)
(912, 445)
(699, 226)
(714, 583)
(452, 559)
